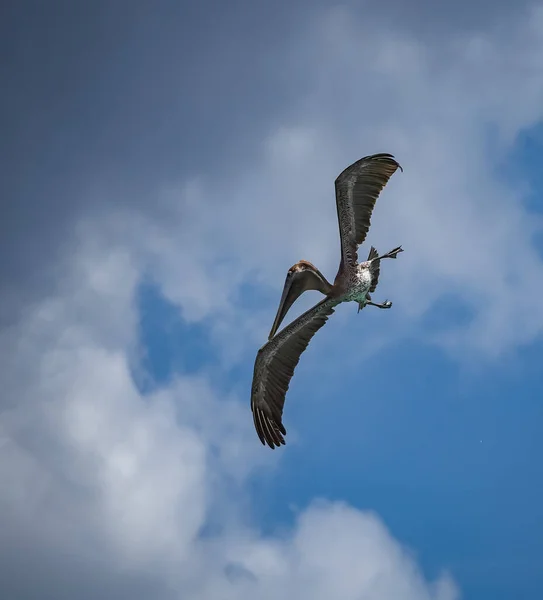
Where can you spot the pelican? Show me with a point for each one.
(357, 189)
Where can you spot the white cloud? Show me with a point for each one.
(98, 472)
(450, 114)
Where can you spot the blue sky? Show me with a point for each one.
(448, 458)
(164, 165)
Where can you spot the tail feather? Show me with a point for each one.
(373, 253)
(375, 268)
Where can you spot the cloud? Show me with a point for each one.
(429, 84)
(114, 485)
(451, 116)
(110, 491)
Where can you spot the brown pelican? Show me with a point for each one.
(357, 189)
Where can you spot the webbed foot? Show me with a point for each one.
(385, 304)
(392, 254)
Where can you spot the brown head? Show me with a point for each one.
(300, 277)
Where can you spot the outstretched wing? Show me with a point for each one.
(274, 368)
(357, 190)
(301, 277)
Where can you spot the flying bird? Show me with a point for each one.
(357, 189)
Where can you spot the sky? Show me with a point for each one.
(163, 165)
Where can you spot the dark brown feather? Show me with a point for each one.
(274, 368)
(357, 190)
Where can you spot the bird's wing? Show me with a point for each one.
(274, 368)
(357, 189)
(301, 277)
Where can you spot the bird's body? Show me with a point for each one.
(357, 189)
(359, 285)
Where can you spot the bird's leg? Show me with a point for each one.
(368, 302)
(392, 254)
(385, 304)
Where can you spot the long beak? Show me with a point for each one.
(287, 299)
